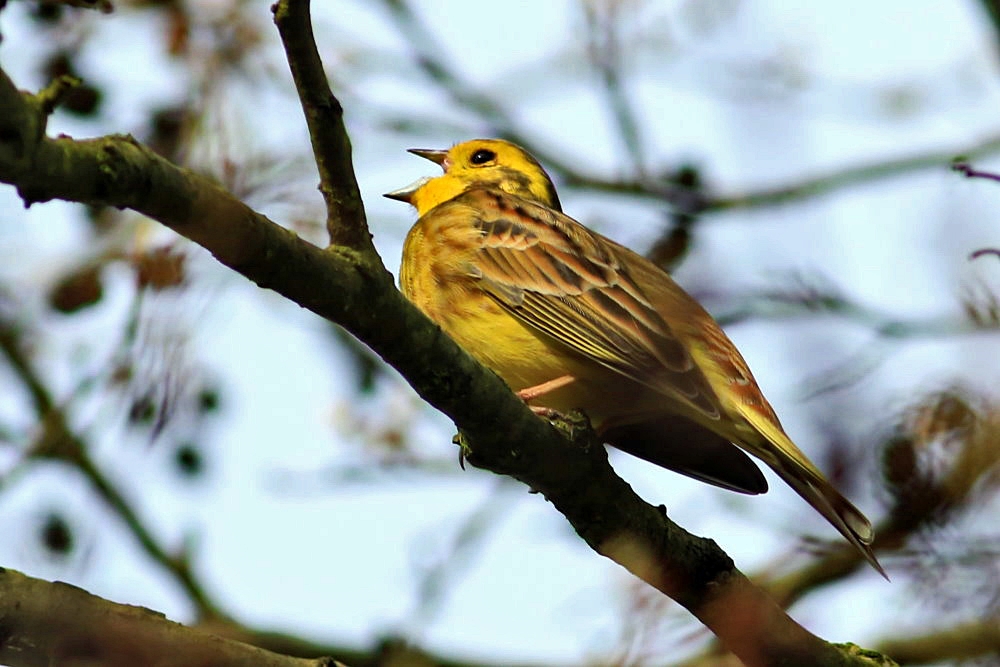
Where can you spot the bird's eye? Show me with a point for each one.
(482, 156)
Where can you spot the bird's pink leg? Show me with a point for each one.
(529, 394)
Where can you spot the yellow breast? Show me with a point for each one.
(437, 274)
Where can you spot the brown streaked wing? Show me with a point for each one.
(568, 282)
(704, 335)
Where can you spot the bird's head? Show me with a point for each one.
(490, 163)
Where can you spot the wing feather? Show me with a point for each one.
(573, 285)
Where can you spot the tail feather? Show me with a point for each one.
(818, 492)
(681, 445)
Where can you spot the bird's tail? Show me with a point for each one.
(679, 444)
(798, 472)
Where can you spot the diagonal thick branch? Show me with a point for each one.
(350, 286)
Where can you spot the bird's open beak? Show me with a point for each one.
(435, 156)
(406, 194)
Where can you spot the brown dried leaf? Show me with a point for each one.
(78, 290)
(160, 268)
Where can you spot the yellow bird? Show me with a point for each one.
(572, 320)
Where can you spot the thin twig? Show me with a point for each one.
(438, 577)
(982, 252)
(439, 71)
(812, 302)
(809, 302)
(426, 53)
(807, 188)
(968, 171)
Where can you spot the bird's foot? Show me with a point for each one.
(545, 413)
(574, 425)
(463, 448)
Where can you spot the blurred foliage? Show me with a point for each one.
(56, 535)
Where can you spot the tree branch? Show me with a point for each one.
(962, 642)
(44, 623)
(806, 188)
(349, 287)
(324, 115)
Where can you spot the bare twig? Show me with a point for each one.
(808, 301)
(850, 176)
(438, 577)
(966, 169)
(659, 188)
(983, 252)
(438, 70)
(806, 188)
